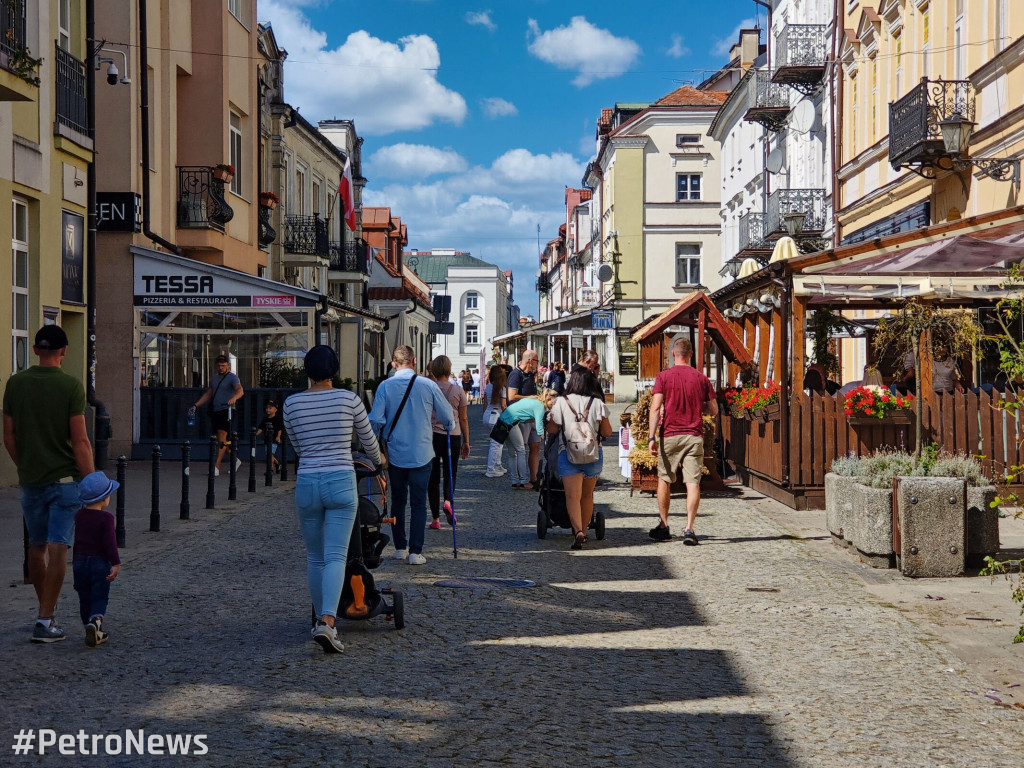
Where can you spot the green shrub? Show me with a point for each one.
(879, 469)
(959, 465)
(847, 466)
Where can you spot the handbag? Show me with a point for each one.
(499, 433)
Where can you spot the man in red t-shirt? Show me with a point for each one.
(682, 396)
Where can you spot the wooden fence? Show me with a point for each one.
(971, 422)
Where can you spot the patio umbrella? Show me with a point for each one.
(785, 248)
(749, 267)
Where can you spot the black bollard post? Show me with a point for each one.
(154, 511)
(284, 455)
(211, 502)
(122, 470)
(268, 444)
(252, 460)
(186, 454)
(233, 469)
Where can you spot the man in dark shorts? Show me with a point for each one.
(44, 432)
(522, 382)
(224, 391)
(682, 397)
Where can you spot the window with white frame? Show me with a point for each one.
(897, 40)
(687, 187)
(19, 287)
(299, 195)
(687, 140)
(687, 263)
(1002, 24)
(472, 333)
(64, 25)
(959, 46)
(235, 148)
(874, 99)
(235, 8)
(472, 300)
(316, 197)
(926, 34)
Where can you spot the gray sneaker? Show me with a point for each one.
(94, 635)
(327, 638)
(50, 634)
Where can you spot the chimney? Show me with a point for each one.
(748, 47)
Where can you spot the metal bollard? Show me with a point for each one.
(233, 469)
(252, 460)
(186, 454)
(211, 479)
(284, 455)
(122, 470)
(154, 510)
(267, 443)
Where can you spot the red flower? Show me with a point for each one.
(849, 411)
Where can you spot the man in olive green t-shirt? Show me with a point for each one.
(44, 432)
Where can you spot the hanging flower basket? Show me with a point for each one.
(901, 417)
(871, 405)
(769, 413)
(269, 200)
(224, 172)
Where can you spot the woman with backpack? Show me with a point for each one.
(581, 418)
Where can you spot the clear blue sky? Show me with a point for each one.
(476, 116)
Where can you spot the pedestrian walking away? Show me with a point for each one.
(220, 397)
(476, 385)
(96, 561)
(682, 397)
(556, 378)
(404, 409)
(46, 437)
(507, 428)
(449, 447)
(495, 401)
(522, 382)
(320, 423)
(580, 418)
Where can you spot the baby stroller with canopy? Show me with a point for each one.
(360, 598)
(553, 510)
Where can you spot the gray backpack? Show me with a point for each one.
(581, 443)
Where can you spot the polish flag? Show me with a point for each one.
(348, 197)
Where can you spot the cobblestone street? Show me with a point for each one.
(629, 652)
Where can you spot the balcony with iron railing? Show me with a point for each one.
(915, 136)
(810, 202)
(349, 262)
(71, 107)
(201, 202)
(19, 70)
(752, 234)
(801, 51)
(769, 102)
(305, 240)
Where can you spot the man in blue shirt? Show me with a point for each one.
(409, 439)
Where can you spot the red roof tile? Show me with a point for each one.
(688, 96)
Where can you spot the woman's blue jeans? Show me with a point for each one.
(327, 503)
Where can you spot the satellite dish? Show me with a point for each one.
(605, 273)
(801, 119)
(774, 161)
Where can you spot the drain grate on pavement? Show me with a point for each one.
(474, 582)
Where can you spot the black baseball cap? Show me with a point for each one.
(321, 363)
(269, 404)
(222, 359)
(51, 337)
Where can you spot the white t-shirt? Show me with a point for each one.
(561, 413)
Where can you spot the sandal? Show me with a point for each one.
(527, 486)
(579, 539)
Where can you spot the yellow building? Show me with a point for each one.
(43, 175)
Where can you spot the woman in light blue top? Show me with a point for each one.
(523, 410)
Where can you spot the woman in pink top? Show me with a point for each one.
(441, 370)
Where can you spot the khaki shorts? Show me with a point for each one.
(681, 450)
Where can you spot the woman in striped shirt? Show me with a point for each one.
(320, 422)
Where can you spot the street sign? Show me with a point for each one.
(441, 329)
(602, 320)
(442, 306)
(577, 333)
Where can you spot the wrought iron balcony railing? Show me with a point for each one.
(914, 135)
(801, 50)
(12, 26)
(769, 102)
(349, 257)
(201, 203)
(752, 234)
(543, 284)
(70, 91)
(810, 202)
(306, 235)
(267, 234)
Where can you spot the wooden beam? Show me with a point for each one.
(799, 344)
(764, 347)
(701, 325)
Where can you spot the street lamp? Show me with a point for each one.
(731, 268)
(794, 221)
(956, 133)
(956, 137)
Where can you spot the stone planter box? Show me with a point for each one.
(839, 507)
(872, 525)
(982, 525)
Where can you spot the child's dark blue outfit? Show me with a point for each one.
(95, 554)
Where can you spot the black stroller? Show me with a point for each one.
(360, 598)
(553, 511)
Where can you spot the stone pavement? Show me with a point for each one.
(629, 652)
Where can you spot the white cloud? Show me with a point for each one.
(414, 161)
(592, 52)
(495, 107)
(383, 86)
(481, 19)
(678, 50)
(722, 46)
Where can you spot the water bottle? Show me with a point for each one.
(192, 416)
